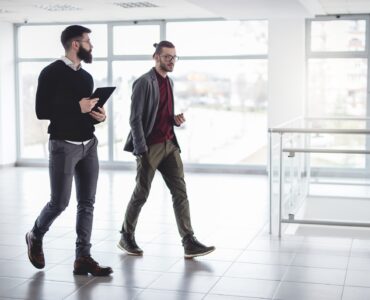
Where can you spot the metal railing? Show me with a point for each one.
(291, 138)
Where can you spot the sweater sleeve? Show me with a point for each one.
(44, 94)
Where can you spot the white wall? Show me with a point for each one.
(7, 96)
(286, 70)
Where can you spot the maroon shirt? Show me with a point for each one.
(163, 125)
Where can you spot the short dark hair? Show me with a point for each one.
(71, 32)
(163, 44)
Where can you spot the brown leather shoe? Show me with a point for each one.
(87, 264)
(35, 253)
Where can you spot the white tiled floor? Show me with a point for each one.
(229, 211)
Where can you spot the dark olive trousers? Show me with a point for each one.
(164, 157)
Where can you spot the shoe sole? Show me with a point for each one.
(86, 273)
(37, 266)
(128, 252)
(190, 256)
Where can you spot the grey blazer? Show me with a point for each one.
(144, 106)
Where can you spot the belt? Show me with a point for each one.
(79, 143)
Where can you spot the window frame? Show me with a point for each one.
(340, 55)
(111, 57)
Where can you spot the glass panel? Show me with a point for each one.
(34, 137)
(218, 37)
(337, 87)
(135, 39)
(340, 141)
(343, 35)
(124, 74)
(224, 102)
(48, 40)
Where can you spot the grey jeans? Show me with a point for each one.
(68, 161)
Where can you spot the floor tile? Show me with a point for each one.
(20, 269)
(315, 275)
(257, 271)
(308, 291)
(359, 263)
(184, 282)
(199, 267)
(325, 248)
(275, 245)
(10, 252)
(228, 297)
(149, 263)
(129, 277)
(64, 273)
(98, 292)
(168, 295)
(356, 293)
(42, 289)
(223, 254)
(245, 287)
(358, 278)
(267, 257)
(320, 261)
(12, 239)
(9, 283)
(164, 250)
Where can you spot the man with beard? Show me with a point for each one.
(153, 141)
(63, 98)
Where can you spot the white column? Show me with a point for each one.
(287, 81)
(8, 132)
(286, 70)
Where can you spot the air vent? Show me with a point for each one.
(135, 4)
(57, 7)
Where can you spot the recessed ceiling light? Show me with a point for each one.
(57, 7)
(135, 4)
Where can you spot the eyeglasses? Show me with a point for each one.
(170, 57)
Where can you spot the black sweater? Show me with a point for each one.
(59, 91)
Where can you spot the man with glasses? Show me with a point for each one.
(153, 141)
(63, 98)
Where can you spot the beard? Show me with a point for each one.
(166, 67)
(84, 55)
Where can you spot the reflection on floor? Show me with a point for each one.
(229, 211)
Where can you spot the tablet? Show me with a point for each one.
(103, 93)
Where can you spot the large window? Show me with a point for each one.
(224, 102)
(220, 85)
(32, 59)
(337, 85)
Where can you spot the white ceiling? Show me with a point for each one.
(32, 11)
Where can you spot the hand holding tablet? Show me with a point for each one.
(103, 93)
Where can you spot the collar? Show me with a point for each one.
(160, 78)
(70, 63)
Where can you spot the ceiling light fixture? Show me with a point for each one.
(57, 7)
(135, 4)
